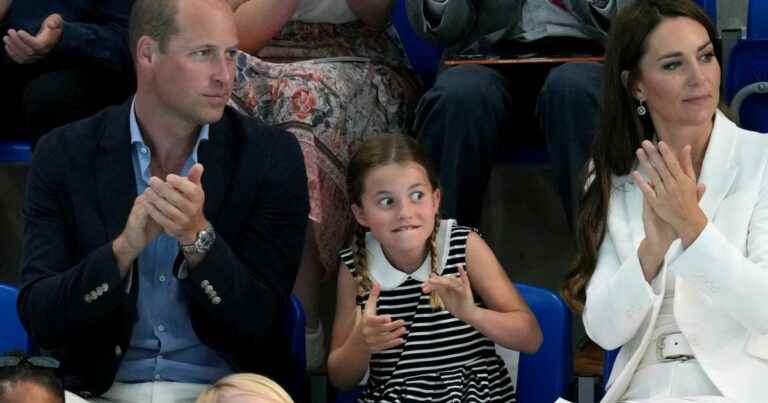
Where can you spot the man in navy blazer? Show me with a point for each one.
(162, 237)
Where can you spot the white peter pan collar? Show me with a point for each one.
(388, 277)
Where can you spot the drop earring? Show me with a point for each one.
(641, 109)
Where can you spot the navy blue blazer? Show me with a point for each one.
(80, 190)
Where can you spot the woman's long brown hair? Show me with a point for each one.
(621, 130)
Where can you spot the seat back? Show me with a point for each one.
(15, 151)
(608, 359)
(545, 375)
(423, 56)
(757, 19)
(710, 6)
(297, 324)
(13, 337)
(746, 86)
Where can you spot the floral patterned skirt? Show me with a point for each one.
(330, 105)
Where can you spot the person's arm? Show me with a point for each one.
(101, 40)
(349, 356)
(259, 20)
(252, 265)
(372, 12)
(506, 320)
(63, 293)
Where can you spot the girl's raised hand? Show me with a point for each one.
(456, 293)
(380, 332)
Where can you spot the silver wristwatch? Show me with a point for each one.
(202, 244)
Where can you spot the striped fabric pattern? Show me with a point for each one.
(443, 359)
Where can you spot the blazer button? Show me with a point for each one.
(204, 284)
(118, 351)
(216, 300)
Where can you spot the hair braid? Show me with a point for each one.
(434, 299)
(362, 277)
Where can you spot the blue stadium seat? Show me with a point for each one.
(15, 151)
(297, 324)
(13, 337)
(710, 6)
(423, 56)
(608, 358)
(757, 19)
(746, 85)
(545, 375)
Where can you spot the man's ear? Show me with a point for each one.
(146, 48)
(359, 215)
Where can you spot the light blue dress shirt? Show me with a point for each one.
(163, 346)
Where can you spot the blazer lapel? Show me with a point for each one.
(115, 178)
(718, 169)
(217, 156)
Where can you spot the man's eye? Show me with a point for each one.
(231, 54)
(201, 53)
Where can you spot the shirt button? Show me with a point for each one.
(144, 150)
(161, 278)
(160, 328)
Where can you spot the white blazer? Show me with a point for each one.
(721, 292)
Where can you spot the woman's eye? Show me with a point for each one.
(416, 196)
(671, 66)
(707, 57)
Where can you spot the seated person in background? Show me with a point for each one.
(23, 382)
(672, 234)
(421, 301)
(62, 61)
(462, 117)
(244, 388)
(162, 237)
(353, 81)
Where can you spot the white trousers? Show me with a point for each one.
(147, 392)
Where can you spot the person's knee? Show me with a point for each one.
(470, 88)
(573, 80)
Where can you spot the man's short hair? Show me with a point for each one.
(12, 376)
(153, 18)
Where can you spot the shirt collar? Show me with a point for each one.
(137, 139)
(389, 277)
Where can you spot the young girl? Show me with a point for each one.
(420, 329)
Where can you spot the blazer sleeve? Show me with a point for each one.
(618, 297)
(101, 40)
(253, 273)
(732, 280)
(63, 293)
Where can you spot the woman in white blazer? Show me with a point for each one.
(672, 234)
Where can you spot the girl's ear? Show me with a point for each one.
(437, 195)
(359, 214)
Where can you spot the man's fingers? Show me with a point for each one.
(195, 174)
(159, 217)
(373, 299)
(169, 211)
(17, 44)
(172, 196)
(53, 22)
(31, 42)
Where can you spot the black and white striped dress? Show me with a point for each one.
(443, 359)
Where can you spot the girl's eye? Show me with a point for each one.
(417, 195)
(385, 202)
